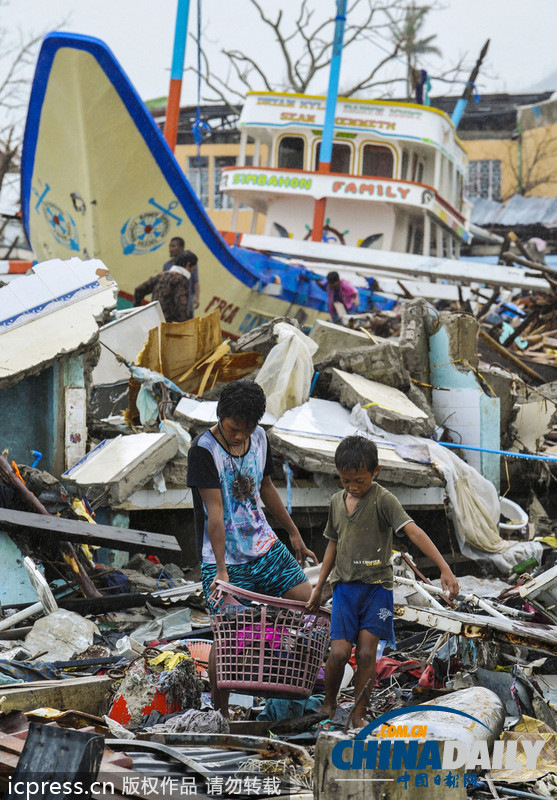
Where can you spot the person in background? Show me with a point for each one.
(362, 519)
(342, 295)
(171, 289)
(176, 248)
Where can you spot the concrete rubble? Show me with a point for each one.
(105, 517)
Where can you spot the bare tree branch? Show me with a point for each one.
(304, 42)
(367, 82)
(236, 58)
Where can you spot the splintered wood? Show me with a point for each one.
(193, 355)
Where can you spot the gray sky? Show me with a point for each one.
(140, 33)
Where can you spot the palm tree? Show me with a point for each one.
(406, 32)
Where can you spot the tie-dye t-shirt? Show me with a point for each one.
(248, 535)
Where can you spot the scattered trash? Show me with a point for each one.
(138, 644)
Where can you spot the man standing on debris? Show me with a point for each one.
(229, 470)
(343, 297)
(171, 289)
(360, 528)
(176, 248)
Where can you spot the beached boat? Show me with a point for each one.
(395, 182)
(98, 180)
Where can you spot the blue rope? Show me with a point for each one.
(313, 382)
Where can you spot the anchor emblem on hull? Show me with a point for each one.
(148, 231)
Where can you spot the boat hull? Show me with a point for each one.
(99, 181)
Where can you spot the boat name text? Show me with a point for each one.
(273, 180)
(346, 122)
(227, 310)
(379, 189)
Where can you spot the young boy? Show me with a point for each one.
(360, 527)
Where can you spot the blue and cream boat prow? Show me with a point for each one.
(98, 180)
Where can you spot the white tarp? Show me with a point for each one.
(474, 500)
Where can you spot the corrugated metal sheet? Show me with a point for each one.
(515, 212)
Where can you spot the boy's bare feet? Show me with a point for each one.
(327, 712)
(359, 722)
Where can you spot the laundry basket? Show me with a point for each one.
(272, 647)
(199, 649)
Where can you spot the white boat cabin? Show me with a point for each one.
(395, 183)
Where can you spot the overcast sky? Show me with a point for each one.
(140, 34)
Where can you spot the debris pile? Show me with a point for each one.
(105, 636)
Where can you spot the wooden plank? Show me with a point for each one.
(88, 694)
(74, 530)
(508, 354)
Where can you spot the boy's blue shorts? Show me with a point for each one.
(362, 606)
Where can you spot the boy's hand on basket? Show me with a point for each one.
(222, 575)
(301, 552)
(315, 599)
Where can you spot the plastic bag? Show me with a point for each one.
(184, 439)
(147, 406)
(286, 375)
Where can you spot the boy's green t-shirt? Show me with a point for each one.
(365, 537)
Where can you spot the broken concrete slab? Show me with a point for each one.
(332, 338)
(262, 339)
(460, 402)
(116, 467)
(60, 636)
(503, 385)
(386, 406)
(413, 340)
(304, 436)
(380, 362)
(37, 343)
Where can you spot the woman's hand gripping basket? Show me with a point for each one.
(272, 647)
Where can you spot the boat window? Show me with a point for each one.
(340, 159)
(377, 161)
(414, 167)
(291, 152)
(198, 176)
(221, 201)
(404, 165)
(420, 173)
